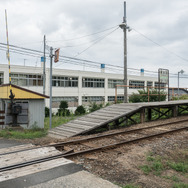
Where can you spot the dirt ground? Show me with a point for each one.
(122, 165)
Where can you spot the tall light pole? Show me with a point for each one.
(124, 26)
(182, 71)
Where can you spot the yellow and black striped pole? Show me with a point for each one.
(8, 57)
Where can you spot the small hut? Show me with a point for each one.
(27, 109)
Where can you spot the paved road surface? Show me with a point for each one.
(55, 173)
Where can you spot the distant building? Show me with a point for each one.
(173, 92)
(76, 87)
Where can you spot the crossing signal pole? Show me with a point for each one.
(8, 57)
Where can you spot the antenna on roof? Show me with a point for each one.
(8, 57)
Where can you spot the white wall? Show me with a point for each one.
(36, 114)
(74, 91)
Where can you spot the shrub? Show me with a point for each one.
(63, 105)
(47, 112)
(93, 107)
(142, 96)
(80, 110)
(63, 111)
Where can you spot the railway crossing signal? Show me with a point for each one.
(56, 56)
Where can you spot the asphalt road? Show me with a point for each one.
(4, 143)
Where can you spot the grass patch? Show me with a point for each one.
(157, 167)
(179, 167)
(173, 178)
(57, 121)
(130, 186)
(180, 185)
(154, 165)
(146, 169)
(23, 134)
(177, 160)
(35, 132)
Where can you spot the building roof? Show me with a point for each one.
(19, 92)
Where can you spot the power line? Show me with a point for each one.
(85, 35)
(184, 59)
(71, 46)
(36, 53)
(27, 49)
(92, 45)
(96, 42)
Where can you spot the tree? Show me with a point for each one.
(142, 96)
(80, 110)
(63, 105)
(63, 111)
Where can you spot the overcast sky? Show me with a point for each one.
(158, 38)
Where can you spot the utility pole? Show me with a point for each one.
(44, 66)
(180, 72)
(24, 62)
(124, 27)
(51, 57)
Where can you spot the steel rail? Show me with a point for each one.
(113, 134)
(96, 137)
(35, 161)
(68, 154)
(122, 143)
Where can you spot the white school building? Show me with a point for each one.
(74, 86)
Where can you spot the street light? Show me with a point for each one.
(182, 71)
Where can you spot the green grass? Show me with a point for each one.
(180, 185)
(146, 169)
(57, 121)
(179, 166)
(173, 178)
(157, 167)
(23, 134)
(130, 186)
(35, 132)
(156, 164)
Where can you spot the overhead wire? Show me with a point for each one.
(95, 65)
(32, 52)
(37, 53)
(184, 59)
(96, 42)
(73, 46)
(101, 38)
(76, 38)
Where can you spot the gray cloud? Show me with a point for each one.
(165, 22)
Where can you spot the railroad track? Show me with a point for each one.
(97, 143)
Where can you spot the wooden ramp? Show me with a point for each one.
(107, 115)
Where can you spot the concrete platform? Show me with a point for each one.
(107, 115)
(81, 179)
